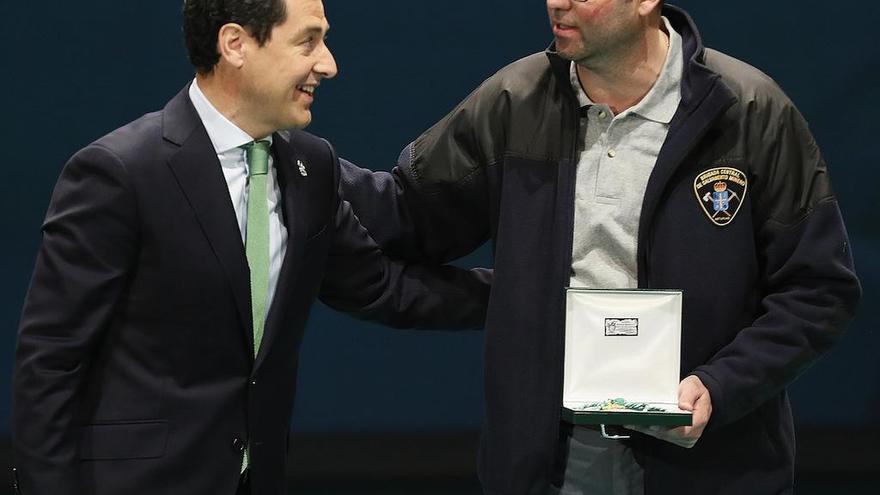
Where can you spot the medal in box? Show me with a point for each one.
(622, 358)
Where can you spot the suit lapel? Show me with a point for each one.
(293, 188)
(198, 172)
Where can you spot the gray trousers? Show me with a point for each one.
(598, 466)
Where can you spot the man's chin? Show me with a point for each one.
(566, 51)
(300, 121)
(578, 57)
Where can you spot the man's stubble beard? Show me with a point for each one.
(604, 53)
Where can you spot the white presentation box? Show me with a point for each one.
(623, 357)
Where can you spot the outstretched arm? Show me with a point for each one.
(363, 280)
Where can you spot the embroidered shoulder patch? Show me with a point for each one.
(720, 192)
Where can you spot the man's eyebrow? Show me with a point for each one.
(314, 28)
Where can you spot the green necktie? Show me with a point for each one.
(257, 243)
(257, 239)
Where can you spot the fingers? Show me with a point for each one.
(702, 410)
(689, 391)
(693, 396)
(676, 436)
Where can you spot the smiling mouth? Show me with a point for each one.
(308, 89)
(564, 32)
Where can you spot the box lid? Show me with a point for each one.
(622, 343)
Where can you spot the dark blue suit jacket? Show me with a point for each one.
(133, 370)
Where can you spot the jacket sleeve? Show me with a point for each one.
(81, 269)
(809, 285)
(435, 204)
(363, 281)
(379, 201)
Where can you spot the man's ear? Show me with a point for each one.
(231, 41)
(647, 7)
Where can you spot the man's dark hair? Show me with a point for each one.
(202, 20)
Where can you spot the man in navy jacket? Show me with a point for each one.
(736, 209)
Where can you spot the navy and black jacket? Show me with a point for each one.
(767, 290)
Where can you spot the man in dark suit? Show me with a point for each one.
(181, 253)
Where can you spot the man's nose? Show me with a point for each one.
(558, 5)
(326, 65)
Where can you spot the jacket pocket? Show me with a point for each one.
(128, 440)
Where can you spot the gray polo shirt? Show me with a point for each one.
(619, 152)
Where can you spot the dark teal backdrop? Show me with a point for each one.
(75, 70)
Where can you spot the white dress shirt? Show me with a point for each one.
(227, 139)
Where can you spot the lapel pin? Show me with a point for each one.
(302, 168)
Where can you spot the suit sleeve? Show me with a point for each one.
(87, 250)
(363, 281)
(809, 283)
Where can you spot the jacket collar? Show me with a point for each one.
(180, 120)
